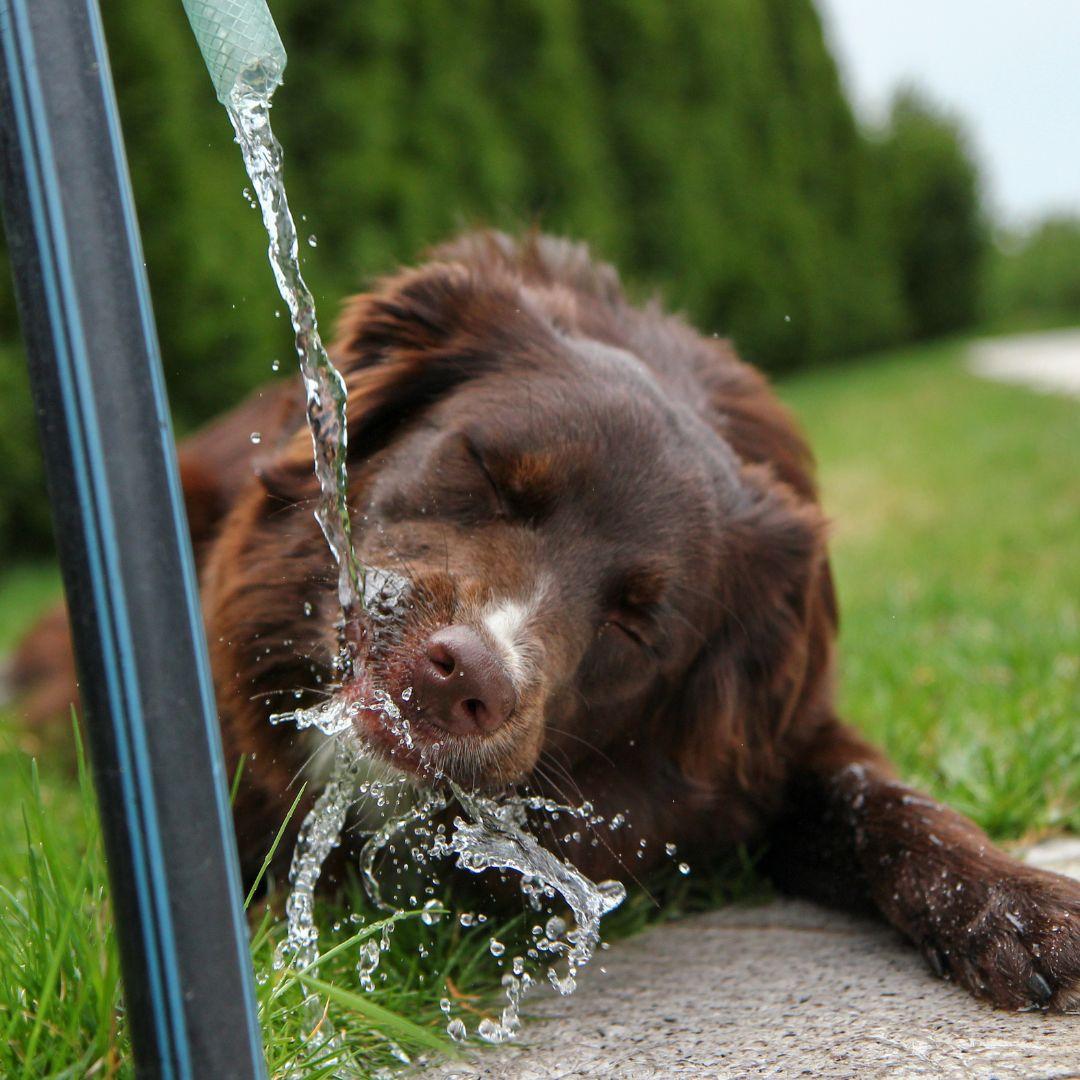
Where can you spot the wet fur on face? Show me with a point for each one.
(618, 514)
(527, 475)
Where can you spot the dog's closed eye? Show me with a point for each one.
(524, 484)
(633, 603)
(628, 629)
(494, 490)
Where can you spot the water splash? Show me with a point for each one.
(249, 111)
(332, 716)
(319, 834)
(493, 834)
(496, 837)
(384, 595)
(488, 834)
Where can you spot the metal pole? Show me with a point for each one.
(122, 538)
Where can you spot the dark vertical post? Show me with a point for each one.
(122, 538)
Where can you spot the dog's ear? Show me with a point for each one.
(415, 311)
(407, 344)
(204, 500)
(414, 339)
(440, 311)
(771, 656)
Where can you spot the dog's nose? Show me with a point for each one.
(460, 684)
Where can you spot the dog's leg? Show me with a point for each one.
(852, 833)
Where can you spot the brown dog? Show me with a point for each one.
(617, 589)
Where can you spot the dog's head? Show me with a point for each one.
(587, 560)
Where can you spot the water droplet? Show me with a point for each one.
(431, 913)
(256, 437)
(684, 868)
(490, 1031)
(398, 1052)
(670, 848)
(275, 365)
(555, 928)
(456, 1030)
(497, 947)
(611, 894)
(308, 609)
(312, 241)
(370, 953)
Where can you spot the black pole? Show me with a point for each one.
(124, 550)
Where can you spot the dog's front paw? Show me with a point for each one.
(1013, 941)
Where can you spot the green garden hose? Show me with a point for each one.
(239, 43)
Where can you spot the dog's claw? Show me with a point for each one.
(1040, 989)
(936, 961)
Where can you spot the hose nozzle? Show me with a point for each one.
(239, 43)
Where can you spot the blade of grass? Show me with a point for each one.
(236, 779)
(341, 946)
(273, 847)
(385, 1019)
(55, 960)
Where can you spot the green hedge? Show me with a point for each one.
(704, 146)
(1035, 275)
(939, 237)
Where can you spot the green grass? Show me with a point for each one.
(957, 512)
(956, 505)
(60, 1001)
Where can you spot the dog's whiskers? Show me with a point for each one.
(585, 742)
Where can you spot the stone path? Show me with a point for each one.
(782, 990)
(1048, 361)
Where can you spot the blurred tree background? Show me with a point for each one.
(1035, 279)
(705, 147)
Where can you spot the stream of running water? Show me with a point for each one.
(249, 111)
(485, 834)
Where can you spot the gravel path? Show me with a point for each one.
(782, 990)
(1049, 362)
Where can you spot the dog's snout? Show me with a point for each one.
(460, 684)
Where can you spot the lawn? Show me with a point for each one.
(956, 506)
(956, 510)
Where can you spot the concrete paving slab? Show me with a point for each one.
(1048, 361)
(786, 989)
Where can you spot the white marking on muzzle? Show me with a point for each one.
(506, 623)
